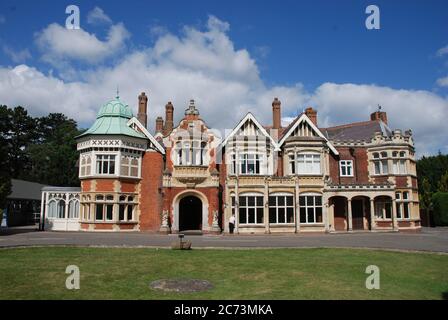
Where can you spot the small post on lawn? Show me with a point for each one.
(181, 237)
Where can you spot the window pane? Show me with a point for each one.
(251, 201)
(310, 212)
(251, 214)
(281, 200)
(99, 212)
(130, 209)
(301, 201)
(259, 201)
(242, 214)
(272, 215)
(272, 201)
(121, 212)
(319, 214)
(290, 215)
(309, 201)
(281, 215)
(302, 215)
(289, 201)
(242, 201)
(259, 215)
(109, 209)
(318, 200)
(406, 210)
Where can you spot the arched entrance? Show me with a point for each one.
(190, 213)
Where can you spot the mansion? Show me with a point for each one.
(273, 179)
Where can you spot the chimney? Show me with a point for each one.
(159, 124)
(379, 115)
(312, 114)
(142, 108)
(169, 110)
(276, 114)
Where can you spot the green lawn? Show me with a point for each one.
(124, 273)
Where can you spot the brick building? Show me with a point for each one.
(299, 178)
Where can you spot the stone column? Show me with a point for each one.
(349, 215)
(41, 218)
(394, 215)
(297, 206)
(372, 215)
(266, 207)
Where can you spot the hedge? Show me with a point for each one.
(440, 207)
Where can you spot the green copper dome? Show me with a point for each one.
(112, 119)
(115, 108)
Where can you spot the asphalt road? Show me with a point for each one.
(430, 239)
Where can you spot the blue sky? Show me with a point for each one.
(307, 52)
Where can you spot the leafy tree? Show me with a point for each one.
(54, 157)
(443, 183)
(5, 179)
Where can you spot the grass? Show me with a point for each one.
(125, 273)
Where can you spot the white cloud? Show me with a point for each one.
(60, 44)
(17, 56)
(442, 82)
(442, 51)
(225, 82)
(97, 16)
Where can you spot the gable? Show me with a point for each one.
(304, 127)
(249, 126)
(136, 125)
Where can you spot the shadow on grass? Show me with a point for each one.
(445, 295)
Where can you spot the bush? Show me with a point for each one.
(440, 208)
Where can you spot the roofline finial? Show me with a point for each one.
(118, 93)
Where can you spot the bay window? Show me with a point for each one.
(281, 209)
(310, 209)
(399, 164)
(383, 208)
(402, 205)
(380, 163)
(105, 164)
(304, 163)
(190, 153)
(248, 163)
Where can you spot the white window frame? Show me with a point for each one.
(247, 207)
(348, 166)
(403, 202)
(108, 155)
(380, 163)
(309, 165)
(314, 206)
(285, 207)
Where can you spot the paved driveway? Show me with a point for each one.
(430, 239)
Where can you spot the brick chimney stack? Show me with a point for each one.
(276, 114)
(379, 115)
(312, 114)
(159, 124)
(142, 109)
(169, 111)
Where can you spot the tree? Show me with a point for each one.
(53, 158)
(443, 183)
(425, 196)
(5, 179)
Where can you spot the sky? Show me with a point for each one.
(233, 57)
